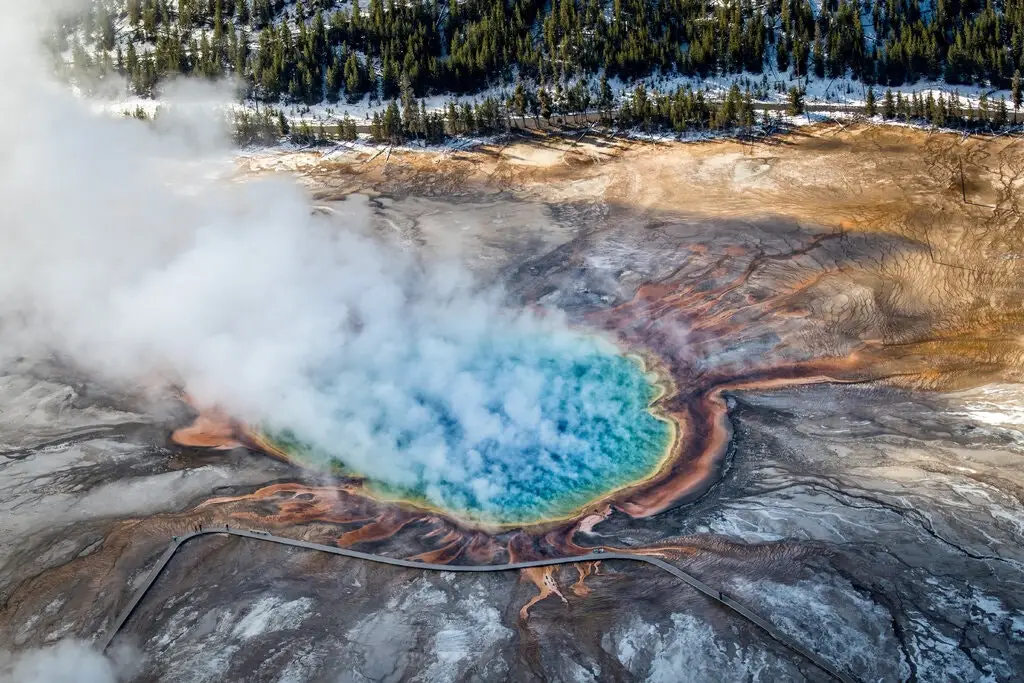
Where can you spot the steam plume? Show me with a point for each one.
(68, 661)
(127, 250)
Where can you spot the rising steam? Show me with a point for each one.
(69, 661)
(125, 248)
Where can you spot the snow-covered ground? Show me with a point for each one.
(767, 88)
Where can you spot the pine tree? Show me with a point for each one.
(1001, 115)
(782, 50)
(452, 117)
(796, 101)
(149, 20)
(869, 103)
(410, 111)
(1015, 94)
(468, 117)
(332, 83)
(937, 109)
(347, 129)
(132, 67)
(930, 110)
(605, 97)
(579, 99)
(519, 101)
(218, 21)
(354, 81)
(376, 128)
(888, 106)
(728, 113)
(535, 109)
(389, 78)
(392, 123)
(818, 53)
(545, 104)
(955, 111)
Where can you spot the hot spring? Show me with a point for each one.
(527, 428)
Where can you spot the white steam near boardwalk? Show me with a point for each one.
(120, 251)
(69, 661)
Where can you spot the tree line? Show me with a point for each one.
(947, 110)
(683, 110)
(406, 119)
(318, 50)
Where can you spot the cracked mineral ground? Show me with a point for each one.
(836, 317)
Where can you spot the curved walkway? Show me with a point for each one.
(716, 595)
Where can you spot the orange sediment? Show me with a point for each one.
(211, 429)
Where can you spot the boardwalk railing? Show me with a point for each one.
(715, 595)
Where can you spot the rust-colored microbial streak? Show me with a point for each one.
(212, 429)
(544, 579)
(522, 548)
(585, 569)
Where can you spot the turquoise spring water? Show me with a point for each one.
(527, 429)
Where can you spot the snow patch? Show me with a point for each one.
(859, 633)
(272, 614)
(687, 644)
(462, 640)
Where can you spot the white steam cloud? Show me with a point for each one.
(121, 248)
(68, 661)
